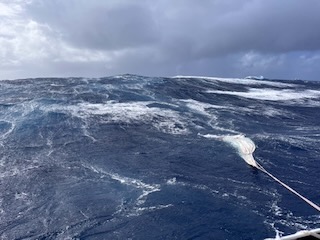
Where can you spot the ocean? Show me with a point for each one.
(129, 157)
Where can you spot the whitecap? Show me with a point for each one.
(269, 94)
(210, 111)
(202, 107)
(165, 120)
(241, 81)
(172, 181)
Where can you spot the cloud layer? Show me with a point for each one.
(278, 39)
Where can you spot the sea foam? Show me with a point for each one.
(272, 94)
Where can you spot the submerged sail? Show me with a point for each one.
(244, 145)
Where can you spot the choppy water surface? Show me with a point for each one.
(124, 157)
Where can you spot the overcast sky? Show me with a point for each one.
(94, 38)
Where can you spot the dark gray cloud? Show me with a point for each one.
(263, 26)
(205, 28)
(164, 37)
(97, 24)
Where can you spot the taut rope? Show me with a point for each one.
(289, 188)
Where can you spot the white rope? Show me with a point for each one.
(289, 188)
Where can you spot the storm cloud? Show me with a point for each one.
(232, 38)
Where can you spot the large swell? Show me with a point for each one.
(125, 157)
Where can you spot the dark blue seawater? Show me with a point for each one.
(124, 157)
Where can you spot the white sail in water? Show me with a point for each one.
(245, 147)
